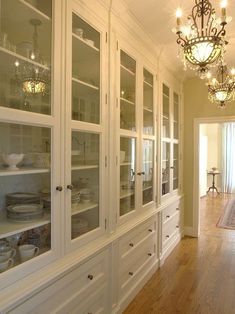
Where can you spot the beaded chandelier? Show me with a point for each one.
(202, 40)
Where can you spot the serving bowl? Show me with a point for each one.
(12, 160)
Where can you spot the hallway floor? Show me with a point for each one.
(199, 275)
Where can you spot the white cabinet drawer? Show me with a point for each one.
(170, 228)
(130, 273)
(135, 238)
(71, 290)
(170, 211)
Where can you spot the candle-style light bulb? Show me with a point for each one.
(178, 16)
(223, 6)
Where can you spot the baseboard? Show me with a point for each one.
(136, 288)
(190, 232)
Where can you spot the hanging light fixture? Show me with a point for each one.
(221, 88)
(32, 78)
(203, 38)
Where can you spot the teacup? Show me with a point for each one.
(7, 251)
(5, 263)
(28, 251)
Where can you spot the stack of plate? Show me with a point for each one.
(75, 197)
(24, 212)
(79, 226)
(47, 202)
(22, 198)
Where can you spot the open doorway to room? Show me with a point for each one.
(214, 175)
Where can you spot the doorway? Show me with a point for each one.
(207, 155)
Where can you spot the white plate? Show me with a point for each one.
(25, 208)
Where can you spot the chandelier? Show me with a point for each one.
(202, 40)
(221, 87)
(32, 79)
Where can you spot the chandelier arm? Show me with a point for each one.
(180, 40)
(222, 32)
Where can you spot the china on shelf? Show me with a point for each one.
(89, 42)
(5, 263)
(24, 212)
(28, 251)
(12, 160)
(86, 195)
(78, 31)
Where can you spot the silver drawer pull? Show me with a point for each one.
(131, 244)
(149, 254)
(150, 230)
(90, 277)
(131, 273)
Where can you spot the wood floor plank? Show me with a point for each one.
(199, 276)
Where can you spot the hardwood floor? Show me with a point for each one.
(199, 275)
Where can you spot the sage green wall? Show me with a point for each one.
(196, 105)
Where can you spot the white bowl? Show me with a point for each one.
(12, 160)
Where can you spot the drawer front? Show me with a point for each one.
(72, 289)
(170, 228)
(130, 274)
(95, 303)
(170, 211)
(135, 238)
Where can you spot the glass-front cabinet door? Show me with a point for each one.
(175, 141)
(148, 139)
(128, 140)
(85, 143)
(170, 140)
(28, 195)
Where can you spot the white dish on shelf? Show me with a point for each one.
(89, 42)
(12, 160)
(25, 208)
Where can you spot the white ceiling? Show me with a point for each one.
(157, 18)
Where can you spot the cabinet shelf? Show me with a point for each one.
(127, 70)
(127, 101)
(23, 170)
(80, 208)
(83, 41)
(126, 193)
(147, 187)
(5, 53)
(147, 83)
(35, 10)
(126, 164)
(84, 167)
(148, 110)
(9, 228)
(85, 83)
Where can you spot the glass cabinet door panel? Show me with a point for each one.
(25, 191)
(25, 55)
(176, 167)
(166, 112)
(85, 183)
(127, 92)
(165, 168)
(176, 116)
(148, 157)
(148, 103)
(85, 72)
(127, 174)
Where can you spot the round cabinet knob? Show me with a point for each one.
(131, 244)
(150, 230)
(177, 208)
(167, 236)
(59, 188)
(149, 254)
(168, 216)
(70, 187)
(141, 173)
(131, 273)
(177, 226)
(90, 277)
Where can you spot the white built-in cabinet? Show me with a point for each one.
(85, 128)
